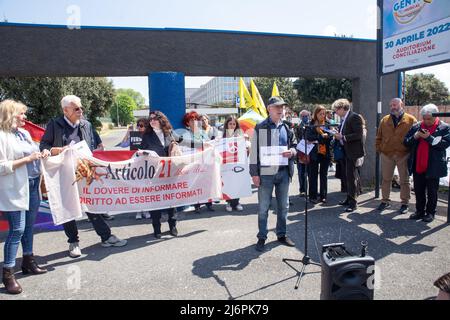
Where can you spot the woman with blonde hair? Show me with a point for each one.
(19, 190)
(320, 156)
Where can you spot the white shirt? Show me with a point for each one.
(70, 123)
(160, 135)
(342, 127)
(343, 121)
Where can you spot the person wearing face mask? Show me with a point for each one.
(393, 153)
(305, 117)
(19, 184)
(428, 141)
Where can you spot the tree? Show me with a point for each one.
(135, 95)
(123, 107)
(285, 87)
(322, 90)
(96, 94)
(425, 88)
(43, 95)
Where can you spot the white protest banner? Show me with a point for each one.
(63, 197)
(234, 170)
(140, 183)
(148, 183)
(445, 180)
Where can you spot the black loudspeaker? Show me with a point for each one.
(346, 276)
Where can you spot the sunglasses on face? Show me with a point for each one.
(141, 125)
(77, 109)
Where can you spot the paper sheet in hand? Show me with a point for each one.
(272, 156)
(301, 146)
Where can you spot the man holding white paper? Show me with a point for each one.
(272, 165)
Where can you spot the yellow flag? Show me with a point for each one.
(259, 103)
(275, 92)
(245, 99)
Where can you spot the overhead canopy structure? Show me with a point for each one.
(29, 50)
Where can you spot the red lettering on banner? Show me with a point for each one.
(115, 190)
(145, 199)
(96, 201)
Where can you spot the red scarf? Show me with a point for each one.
(424, 148)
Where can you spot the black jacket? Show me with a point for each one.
(353, 133)
(313, 135)
(437, 161)
(54, 134)
(150, 141)
(255, 165)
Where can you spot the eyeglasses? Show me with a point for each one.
(78, 109)
(154, 118)
(141, 125)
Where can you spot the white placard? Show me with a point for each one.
(272, 156)
(301, 146)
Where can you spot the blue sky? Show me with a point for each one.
(323, 17)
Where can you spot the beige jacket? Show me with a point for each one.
(389, 140)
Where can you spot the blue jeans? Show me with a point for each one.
(21, 227)
(281, 183)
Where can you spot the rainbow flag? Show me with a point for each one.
(249, 120)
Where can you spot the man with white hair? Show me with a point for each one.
(428, 141)
(60, 132)
(393, 153)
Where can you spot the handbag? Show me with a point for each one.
(338, 151)
(303, 158)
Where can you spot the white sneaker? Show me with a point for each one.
(139, 216)
(113, 241)
(239, 207)
(147, 215)
(228, 208)
(74, 250)
(189, 209)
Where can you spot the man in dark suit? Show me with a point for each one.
(60, 132)
(351, 136)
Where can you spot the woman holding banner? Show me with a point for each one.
(142, 125)
(232, 129)
(192, 140)
(159, 138)
(19, 196)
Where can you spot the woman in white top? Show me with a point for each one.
(19, 190)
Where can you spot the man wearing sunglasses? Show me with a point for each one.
(60, 132)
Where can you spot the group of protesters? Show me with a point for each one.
(401, 141)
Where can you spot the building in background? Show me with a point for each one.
(218, 90)
(188, 93)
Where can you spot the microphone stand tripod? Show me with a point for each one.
(306, 260)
